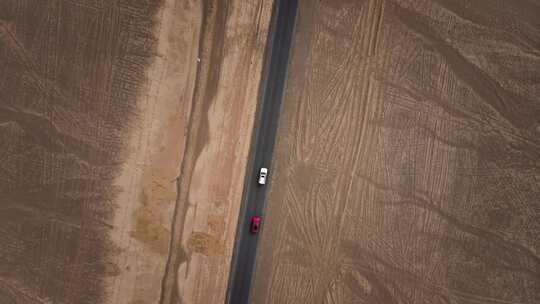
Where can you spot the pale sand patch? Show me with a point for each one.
(148, 181)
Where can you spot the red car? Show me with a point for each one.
(255, 224)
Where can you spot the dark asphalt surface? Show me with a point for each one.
(275, 72)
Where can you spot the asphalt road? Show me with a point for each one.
(267, 121)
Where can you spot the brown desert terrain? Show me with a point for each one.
(123, 131)
(407, 164)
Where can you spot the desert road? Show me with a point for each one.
(266, 127)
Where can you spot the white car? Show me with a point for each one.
(262, 176)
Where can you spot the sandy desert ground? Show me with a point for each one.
(122, 134)
(407, 167)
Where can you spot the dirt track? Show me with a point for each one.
(115, 118)
(407, 166)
